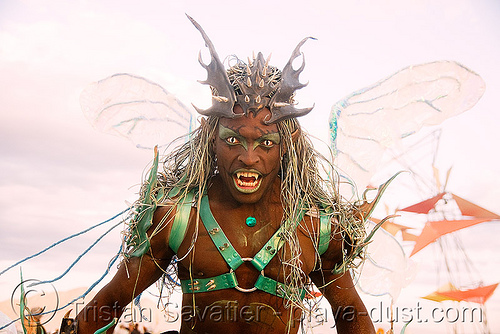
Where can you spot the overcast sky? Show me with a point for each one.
(58, 175)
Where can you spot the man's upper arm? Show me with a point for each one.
(134, 275)
(348, 309)
(159, 234)
(339, 289)
(146, 269)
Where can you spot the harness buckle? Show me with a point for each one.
(238, 287)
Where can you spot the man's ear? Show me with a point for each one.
(203, 122)
(295, 135)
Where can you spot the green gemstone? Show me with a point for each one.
(251, 221)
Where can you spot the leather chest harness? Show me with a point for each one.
(231, 256)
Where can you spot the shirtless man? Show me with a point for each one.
(244, 212)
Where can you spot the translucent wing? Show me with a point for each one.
(386, 270)
(137, 109)
(368, 122)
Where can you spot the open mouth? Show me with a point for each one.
(247, 181)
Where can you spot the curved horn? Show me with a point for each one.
(281, 105)
(66, 316)
(223, 103)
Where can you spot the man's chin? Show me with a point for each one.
(245, 196)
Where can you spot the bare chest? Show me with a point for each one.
(206, 246)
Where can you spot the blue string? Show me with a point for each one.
(61, 241)
(137, 303)
(93, 284)
(78, 258)
(81, 296)
(173, 280)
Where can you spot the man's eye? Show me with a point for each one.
(267, 143)
(232, 140)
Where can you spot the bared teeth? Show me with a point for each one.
(247, 184)
(247, 179)
(247, 174)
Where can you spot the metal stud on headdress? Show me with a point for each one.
(253, 86)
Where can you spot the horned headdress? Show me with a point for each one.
(253, 86)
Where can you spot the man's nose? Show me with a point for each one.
(249, 157)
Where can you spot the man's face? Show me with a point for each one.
(248, 155)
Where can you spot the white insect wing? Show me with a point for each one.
(137, 109)
(367, 123)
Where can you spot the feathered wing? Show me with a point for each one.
(368, 122)
(137, 109)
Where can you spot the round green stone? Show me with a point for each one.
(251, 221)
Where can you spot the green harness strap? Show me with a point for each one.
(139, 240)
(179, 227)
(234, 260)
(231, 256)
(325, 231)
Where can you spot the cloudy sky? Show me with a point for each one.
(58, 175)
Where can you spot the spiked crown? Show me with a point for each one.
(253, 86)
